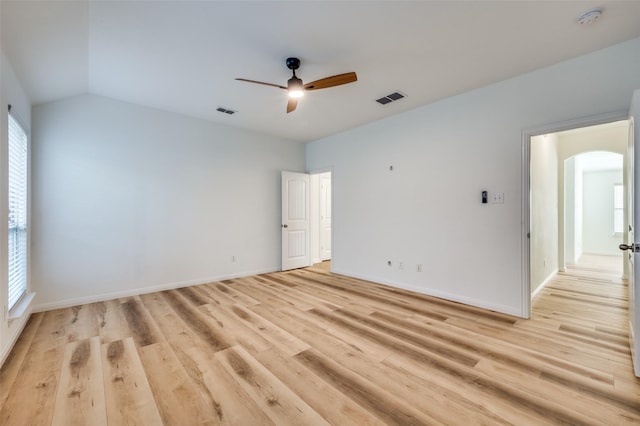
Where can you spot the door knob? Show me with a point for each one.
(631, 247)
(285, 226)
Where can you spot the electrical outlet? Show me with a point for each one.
(233, 258)
(400, 265)
(419, 267)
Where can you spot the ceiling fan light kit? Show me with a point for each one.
(296, 88)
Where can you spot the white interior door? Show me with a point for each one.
(634, 246)
(325, 216)
(295, 225)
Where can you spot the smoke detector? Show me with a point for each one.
(589, 17)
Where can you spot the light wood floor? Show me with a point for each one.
(308, 347)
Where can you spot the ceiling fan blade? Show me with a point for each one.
(335, 80)
(261, 82)
(291, 105)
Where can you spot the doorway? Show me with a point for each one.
(545, 206)
(321, 216)
(306, 219)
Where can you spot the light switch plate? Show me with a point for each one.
(497, 198)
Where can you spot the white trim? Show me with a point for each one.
(6, 350)
(525, 309)
(434, 293)
(144, 290)
(543, 284)
(21, 307)
(527, 134)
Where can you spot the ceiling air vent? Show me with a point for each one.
(225, 110)
(390, 98)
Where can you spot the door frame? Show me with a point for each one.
(527, 134)
(317, 172)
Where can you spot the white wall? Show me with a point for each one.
(11, 92)
(578, 210)
(130, 199)
(428, 209)
(544, 209)
(598, 236)
(573, 248)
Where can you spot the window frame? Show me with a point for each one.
(18, 205)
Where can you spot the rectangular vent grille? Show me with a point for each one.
(225, 110)
(390, 98)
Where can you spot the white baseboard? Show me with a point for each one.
(543, 284)
(483, 304)
(144, 290)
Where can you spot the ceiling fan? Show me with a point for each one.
(296, 88)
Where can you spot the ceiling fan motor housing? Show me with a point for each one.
(293, 63)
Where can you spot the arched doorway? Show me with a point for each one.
(550, 155)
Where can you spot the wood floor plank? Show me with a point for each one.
(128, 396)
(112, 323)
(499, 405)
(311, 327)
(199, 323)
(387, 407)
(286, 341)
(83, 323)
(233, 405)
(241, 331)
(80, 398)
(141, 325)
(176, 396)
(332, 406)
(228, 290)
(281, 404)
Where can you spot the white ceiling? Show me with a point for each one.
(183, 56)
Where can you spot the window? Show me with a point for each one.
(618, 208)
(17, 180)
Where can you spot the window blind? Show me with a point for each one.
(17, 180)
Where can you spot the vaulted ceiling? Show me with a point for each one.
(183, 56)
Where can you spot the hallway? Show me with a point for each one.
(586, 308)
